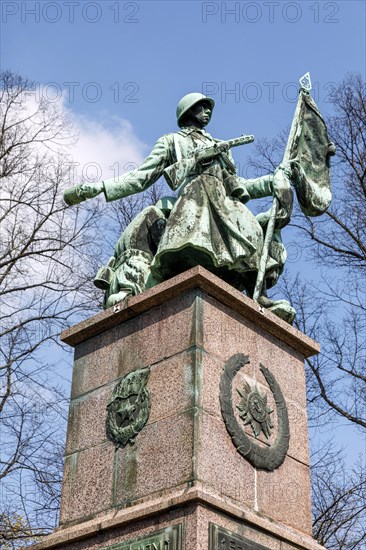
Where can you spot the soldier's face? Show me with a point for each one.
(202, 112)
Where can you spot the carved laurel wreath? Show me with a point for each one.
(264, 458)
(129, 408)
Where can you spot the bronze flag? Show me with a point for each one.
(309, 154)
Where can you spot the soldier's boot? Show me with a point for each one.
(105, 275)
(281, 308)
(114, 299)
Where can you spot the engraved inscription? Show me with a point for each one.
(222, 539)
(169, 538)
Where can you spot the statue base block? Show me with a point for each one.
(182, 483)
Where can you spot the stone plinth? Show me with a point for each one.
(184, 471)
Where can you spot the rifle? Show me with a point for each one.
(176, 173)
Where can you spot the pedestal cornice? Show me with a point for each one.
(197, 277)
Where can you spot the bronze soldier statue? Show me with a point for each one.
(207, 224)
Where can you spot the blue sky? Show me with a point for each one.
(136, 59)
(118, 67)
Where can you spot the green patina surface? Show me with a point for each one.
(209, 223)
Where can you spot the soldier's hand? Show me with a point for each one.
(286, 168)
(82, 191)
(207, 153)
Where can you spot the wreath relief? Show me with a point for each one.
(254, 411)
(129, 409)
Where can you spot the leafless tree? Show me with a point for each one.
(49, 254)
(331, 309)
(338, 501)
(45, 281)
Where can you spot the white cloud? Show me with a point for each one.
(104, 150)
(108, 148)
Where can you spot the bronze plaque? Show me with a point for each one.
(222, 539)
(169, 538)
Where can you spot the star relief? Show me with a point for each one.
(253, 410)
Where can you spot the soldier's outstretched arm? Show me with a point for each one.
(260, 187)
(81, 192)
(129, 183)
(264, 186)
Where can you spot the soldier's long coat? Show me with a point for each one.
(206, 226)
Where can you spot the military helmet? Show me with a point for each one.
(187, 103)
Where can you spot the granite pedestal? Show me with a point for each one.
(183, 484)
